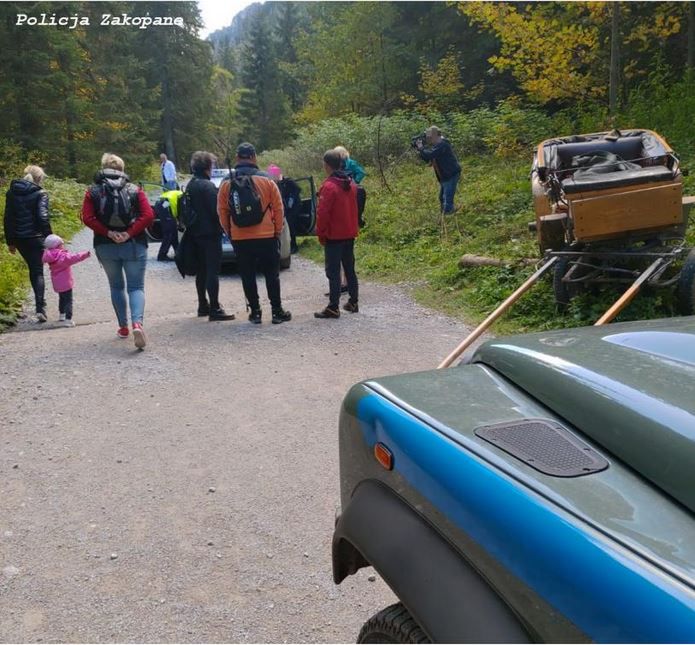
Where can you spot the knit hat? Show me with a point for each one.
(274, 171)
(53, 241)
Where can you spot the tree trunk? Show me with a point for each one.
(691, 39)
(167, 119)
(615, 60)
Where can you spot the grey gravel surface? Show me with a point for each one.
(187, 493)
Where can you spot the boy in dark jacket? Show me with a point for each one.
(336, 228)
(446, 166)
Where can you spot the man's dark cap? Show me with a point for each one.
(245, 151)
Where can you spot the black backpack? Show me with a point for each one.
(184, 211)
(116, 205)
(244, 201)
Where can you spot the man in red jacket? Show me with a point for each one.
(336, 228)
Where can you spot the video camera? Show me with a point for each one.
(422, 138)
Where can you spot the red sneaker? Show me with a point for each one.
(139, 336)
(122, 332)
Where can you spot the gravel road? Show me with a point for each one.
(187, 493)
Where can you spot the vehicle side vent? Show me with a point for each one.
(544, 445)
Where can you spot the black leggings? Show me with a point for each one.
(337, 253)
(31, 249)
(208, 253)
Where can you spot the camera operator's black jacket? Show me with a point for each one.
(443, 160)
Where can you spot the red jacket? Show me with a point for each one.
(136, 230)
(336, 217)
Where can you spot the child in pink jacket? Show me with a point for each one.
(60, 261)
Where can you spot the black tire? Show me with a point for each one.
(285, 262)
(154, 232)
(686, 286)
(392, 625)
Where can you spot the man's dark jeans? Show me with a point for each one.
(170, 237)
(263, 253)
(31, 249)
(337, 252)
(208, 253)
(447, 190)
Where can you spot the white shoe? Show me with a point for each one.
(41, 317)
(66, 323)
(61, 317)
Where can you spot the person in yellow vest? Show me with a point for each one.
(166, 209)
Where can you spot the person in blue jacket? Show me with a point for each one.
(446, 167)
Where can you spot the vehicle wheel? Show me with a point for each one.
(686, 286)
(392, 625)
(154, 232)
(285, 262)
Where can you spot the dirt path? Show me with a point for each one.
(187, 493)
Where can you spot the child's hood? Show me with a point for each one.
(52, 255)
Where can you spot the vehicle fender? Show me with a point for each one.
(450, 601)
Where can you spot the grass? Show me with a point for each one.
(405, 243)
(65, 202)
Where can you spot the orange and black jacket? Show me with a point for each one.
(271, 201)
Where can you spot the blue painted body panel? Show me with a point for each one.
(610, 592)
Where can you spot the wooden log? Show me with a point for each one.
(482, 261)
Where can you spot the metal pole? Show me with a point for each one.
(627, 297)
(482, 327)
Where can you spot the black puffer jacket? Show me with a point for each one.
(26, 211)
(203, 199)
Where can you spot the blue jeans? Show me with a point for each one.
(128, 259)
(447, 190)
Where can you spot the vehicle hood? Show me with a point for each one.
(629, 387)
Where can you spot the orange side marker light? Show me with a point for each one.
(383, 455)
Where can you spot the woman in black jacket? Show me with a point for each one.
(26, 227)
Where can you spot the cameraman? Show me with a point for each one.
(446, 166)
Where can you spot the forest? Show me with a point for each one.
(296, 78)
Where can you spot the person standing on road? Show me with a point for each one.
(206, 236)
(60, 261)
(118, 212)
(336, 228)
(26, 226)
(446, 167)
(256, 238)
(168, 173)
(166, 209)
(291, 202)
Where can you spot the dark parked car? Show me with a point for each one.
(544, 491)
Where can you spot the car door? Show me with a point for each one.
(306, 218)
(154, 192)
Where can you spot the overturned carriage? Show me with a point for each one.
(611, 206)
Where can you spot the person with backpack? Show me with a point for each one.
(166, 210)
(251, 213)
(118, 212)
(291, 201)
(26, 226)
(446, 167)
(336, 228)
(205, 236)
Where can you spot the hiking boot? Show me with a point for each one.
(255, 316)
(220, 314)
(351, 306)
(41, 316)
(139, 336)
(203, 310)
(281, 316)
(328, 312)
(122, 332)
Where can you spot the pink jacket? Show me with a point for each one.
(59, 262)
